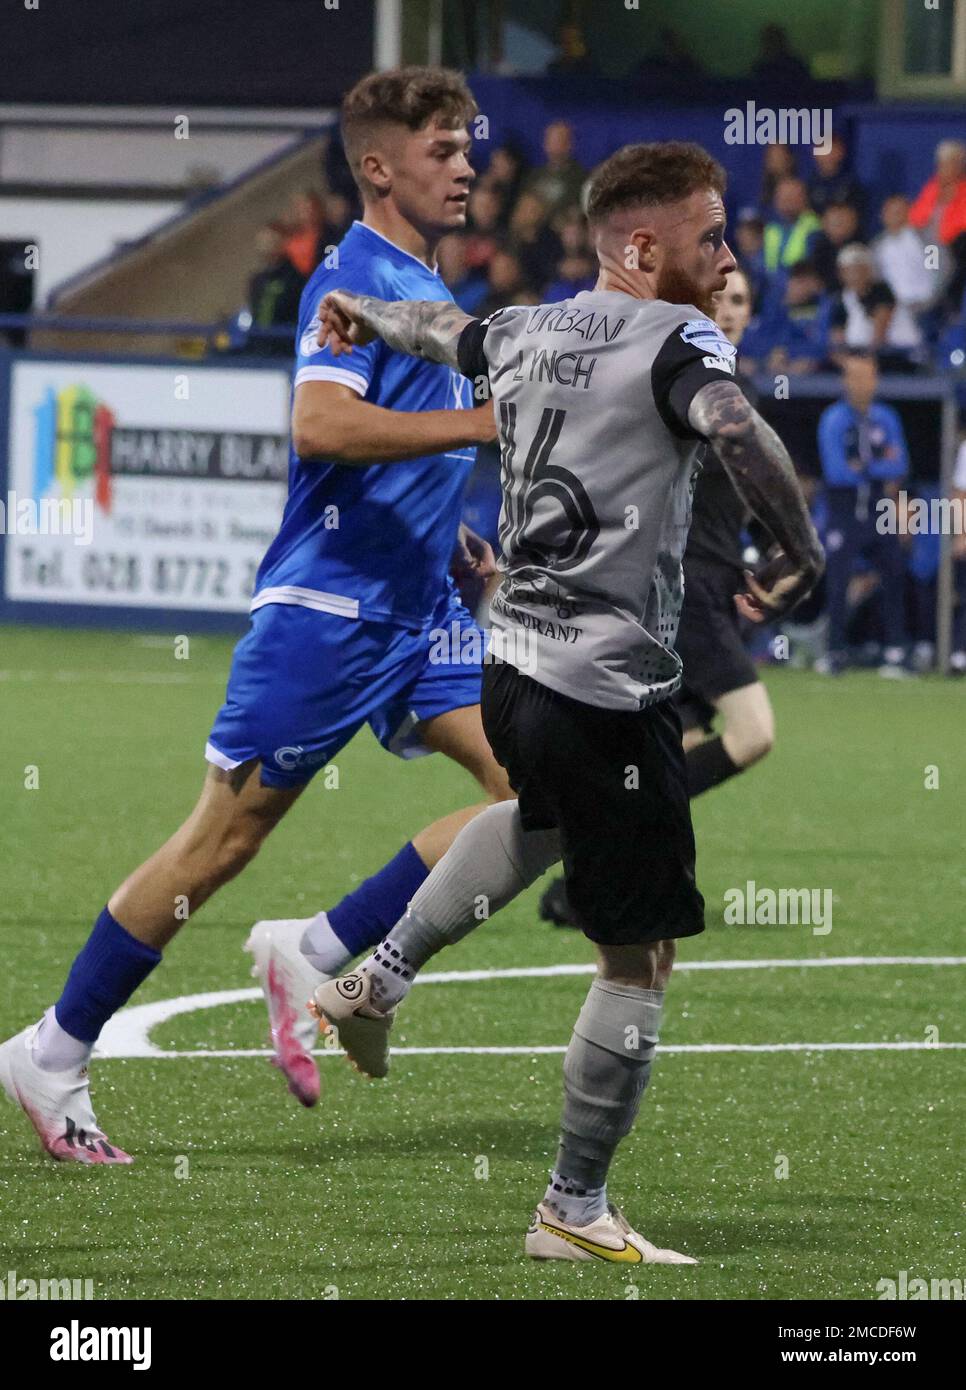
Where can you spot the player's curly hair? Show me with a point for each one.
(408, 97)
(664, 171)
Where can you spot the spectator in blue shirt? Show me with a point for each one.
(797, 328)
(467, 287)
(577, 267)
(864, 458)
(831, 180)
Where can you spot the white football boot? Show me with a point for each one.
(611, 1237)
(288, 982)
(57, 1103)
(346, 1005)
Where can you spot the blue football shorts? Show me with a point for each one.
(303, 682)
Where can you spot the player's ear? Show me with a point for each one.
(641, 251)
(376, 172)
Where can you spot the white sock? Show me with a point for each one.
(55, 1050)
(322, 948)
(572, 1202)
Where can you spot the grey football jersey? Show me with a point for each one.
(598, 468)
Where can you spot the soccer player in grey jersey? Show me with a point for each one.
(603, 402)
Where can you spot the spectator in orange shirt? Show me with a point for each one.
(305, 222)
(939, 214)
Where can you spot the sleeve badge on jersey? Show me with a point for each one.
(706, 336)
(309, 341)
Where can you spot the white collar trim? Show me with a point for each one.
(433, 270)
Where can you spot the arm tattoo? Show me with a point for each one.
(758, 465)
(419, 327)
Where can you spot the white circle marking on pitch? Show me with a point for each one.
(127, 1034)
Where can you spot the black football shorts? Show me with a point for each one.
(709, 644)
(614, 783)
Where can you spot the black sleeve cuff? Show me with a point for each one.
(470, 356)
(682, 392)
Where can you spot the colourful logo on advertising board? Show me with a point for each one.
(73, 444)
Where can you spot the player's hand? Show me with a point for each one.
(778, 586)
(339, 326)
(473, 557)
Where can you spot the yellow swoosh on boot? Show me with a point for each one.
(630, 1255)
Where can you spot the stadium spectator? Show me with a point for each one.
(339, 212)
(16, 289)
(557, 183)
(865, 315)
(791, 229)
(577, 266)
(534, 242)
(832, 181)
(304, 239)
(671, 63)
(274, 292)
(749, 245)
(840, 228)
(900, 258)
(506, 284)
(778, 163)
(467, 287)
(922, 568)
(939, 213)
(483, 226)
(505, 172)
(573, 57)
(797, 328)
(777, 64)
(864, 458)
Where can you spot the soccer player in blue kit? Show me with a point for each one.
(346, 603)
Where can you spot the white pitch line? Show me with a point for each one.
(555, 1050)
(127, 1034)
(445, 977)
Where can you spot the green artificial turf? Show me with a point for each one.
(421, 1186)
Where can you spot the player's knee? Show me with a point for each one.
(751, 739)
(666, 953)
(645, 966)
(758, 742)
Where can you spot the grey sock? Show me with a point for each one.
(491, 860)
(606, 1068)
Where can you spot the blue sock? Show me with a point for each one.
(103, 977)
(365, 915)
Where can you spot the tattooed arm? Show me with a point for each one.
(758, 465)
(330, 421)
(419, 327)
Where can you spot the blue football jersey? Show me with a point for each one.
(370, 542)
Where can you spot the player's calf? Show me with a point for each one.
(606, 1071)
(491, 860)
